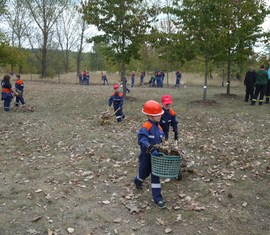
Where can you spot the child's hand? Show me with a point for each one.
(151, 149)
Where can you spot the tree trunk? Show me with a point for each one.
(123, 77)
(223, 78)
(20, 69)
(44, 62)
(66, 62)
(205, 88)
(79, 56)
(229, 73)
(44, 54)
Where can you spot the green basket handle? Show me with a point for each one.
(160, 154)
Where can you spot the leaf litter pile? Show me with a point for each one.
(64, 173)
(106, 118)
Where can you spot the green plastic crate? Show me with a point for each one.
(166, 166)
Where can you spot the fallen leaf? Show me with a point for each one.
(179, 217)
(39, 190)
(50, 232)
(244, 204)
(36, 219)
(168, 230)
(70, 230)
(118, 220)
(134, 209)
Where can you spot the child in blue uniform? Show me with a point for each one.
(149, 135)
(117, 100)
(19, 86)
(7, 92)
(178, 78)
(168, 118)
(104, 78)
(132, 78)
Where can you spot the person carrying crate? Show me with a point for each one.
(149, 135)
(168, 118)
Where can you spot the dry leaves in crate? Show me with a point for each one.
(169, 149)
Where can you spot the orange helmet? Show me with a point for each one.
(116, 86)
(166, 99)
(152, 108)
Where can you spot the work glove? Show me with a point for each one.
(151, 149)
(175, 136)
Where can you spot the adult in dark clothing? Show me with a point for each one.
(249, 82)
(260, 85)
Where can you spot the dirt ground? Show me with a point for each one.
(63, 173)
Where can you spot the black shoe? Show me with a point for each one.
(139, 187)
(161, 204)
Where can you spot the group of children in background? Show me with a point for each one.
(157, 80)
(8, 91)
(153, 131)
(84, 78)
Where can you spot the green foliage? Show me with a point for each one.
(219, 31)
(9, 54)
(122, 26)
(97, 57)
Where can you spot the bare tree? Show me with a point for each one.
(16, 21)
(82, 43)
(44, 15)
(68, 33)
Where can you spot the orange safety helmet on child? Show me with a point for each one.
(152, 108)
(116, 86)
(166, 99)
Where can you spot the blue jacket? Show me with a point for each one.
(178, 75)
(169, 119)
(6, 90)
(117, 100)
(150, 133)
(19, 85)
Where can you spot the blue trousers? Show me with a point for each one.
(177, 83)
(19, 99)
(144, 172)
(7, 102)
(119, 114)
